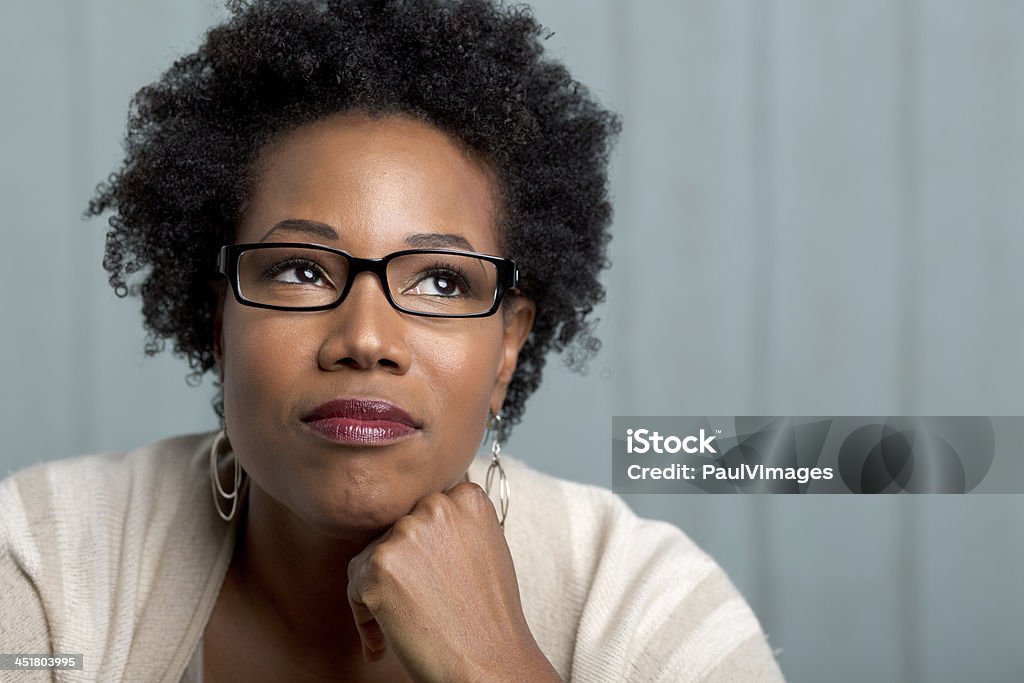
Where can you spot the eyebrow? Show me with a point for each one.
(422, 240)
(312, 228)
(438, 240)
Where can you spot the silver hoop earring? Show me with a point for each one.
(504, 488)
(218, 490)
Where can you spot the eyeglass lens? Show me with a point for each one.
(440, 284)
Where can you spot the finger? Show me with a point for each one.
(371, 635)
(471, 497)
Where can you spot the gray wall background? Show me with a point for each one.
(819, 211)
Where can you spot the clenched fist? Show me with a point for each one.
(439, 587)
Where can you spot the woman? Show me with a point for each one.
(372, 220)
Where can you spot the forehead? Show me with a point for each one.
(377, 181)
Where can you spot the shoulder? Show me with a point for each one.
(642, 600)
(91, 489)
(81, 541)
(89, 496)
(62, 483)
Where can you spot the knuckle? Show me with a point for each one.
(434, 500)
(381, 567)
(434, 506)
(365, 585)
(471, 496)
(381, 562)
(404, 528)
(372, 597)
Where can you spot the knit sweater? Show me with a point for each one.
(120, 557)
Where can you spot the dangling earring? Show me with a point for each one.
(504, 489)
(218, 491)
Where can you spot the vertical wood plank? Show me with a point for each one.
(836, 208)
(687, 214)
(39, 342)
(971, 559)
(567, 422)
(831, 343)
(686, 246)
(969, 306)
(134, 399)
(970, 150)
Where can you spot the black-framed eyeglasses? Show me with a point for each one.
(295, 276)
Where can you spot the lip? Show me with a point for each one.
(360, 422)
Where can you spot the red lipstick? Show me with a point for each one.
(360, 422)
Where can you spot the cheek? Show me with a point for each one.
(263, 359)
(460, 369)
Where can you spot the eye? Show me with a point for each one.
(440, 282)
(297, 272)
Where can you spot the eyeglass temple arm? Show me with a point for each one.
(222, 260)
(514, 277)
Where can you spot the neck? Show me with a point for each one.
(296, 578)
(293, 579)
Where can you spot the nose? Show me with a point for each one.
(366, 331)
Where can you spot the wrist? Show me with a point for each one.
(524, 663)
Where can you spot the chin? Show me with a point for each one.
(361, 517)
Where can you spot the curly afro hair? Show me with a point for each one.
(475, 69)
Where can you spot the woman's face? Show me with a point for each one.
(371, 187)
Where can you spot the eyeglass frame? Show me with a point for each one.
(230, 255)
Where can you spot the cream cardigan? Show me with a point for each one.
(120, 557)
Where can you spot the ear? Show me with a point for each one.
(518, 319)
(219, 292)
